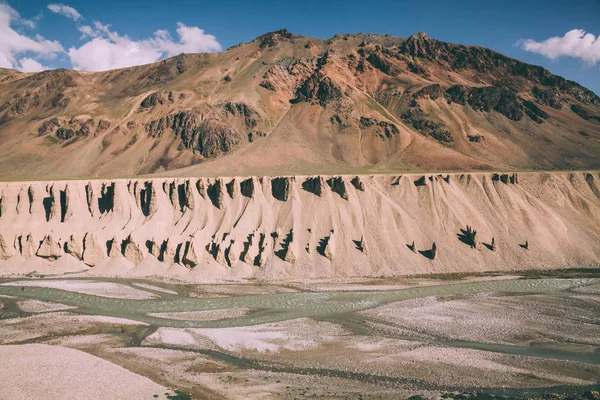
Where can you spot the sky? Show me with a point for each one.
(561, 36)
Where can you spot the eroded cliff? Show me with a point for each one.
(302, 226)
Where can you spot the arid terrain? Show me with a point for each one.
(358, 217)
(501, 336)
(284, 104)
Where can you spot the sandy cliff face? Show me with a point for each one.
(302, 226)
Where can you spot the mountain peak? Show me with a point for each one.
(419, 36)
(271, 39)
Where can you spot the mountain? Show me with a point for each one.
(287, 104)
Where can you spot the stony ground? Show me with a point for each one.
(515, 345)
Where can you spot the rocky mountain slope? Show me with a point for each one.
(287, 104)
(282, 228)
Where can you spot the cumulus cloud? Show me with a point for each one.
(575, 43)
(14, 44)
(109, 50)
(27, 64)
(67, 11)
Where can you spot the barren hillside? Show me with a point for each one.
(284, 228)
(287, 104)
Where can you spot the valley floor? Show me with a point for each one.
(519, 336)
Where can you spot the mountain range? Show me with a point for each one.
(288, 104)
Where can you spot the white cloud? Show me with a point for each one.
(575, 43)
(12, 43)
(191, 40)
(65, 10)
(86, 31)
(27, 64)
(109, 50)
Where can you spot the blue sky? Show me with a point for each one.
(126, 32)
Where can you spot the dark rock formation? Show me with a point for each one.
(66, 130)
(338, 185)
(434, 92)
(459, 57)
(268, 85)
(315, 185)
(412, 247)
(383, 128)
(475, 138)
(487, 98)
(362, 245)
(74, 247)
(242, 111)
(216, 193)
(318, 89)
(421, 122)
(469, 236)
(549, 97)
(358, 183)
(208, 136)
(281, 188)
(273, 38)
(253, 135)
(189, 258)
(583, 113)
(247, 187)
(153, 99)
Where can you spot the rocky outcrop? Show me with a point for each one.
(248, 186)
(315, 185)
(93, 251)
(433, 92)
(27, 248)
(254, 135)
(74, 247)
(338, 185)
(157, 98)
(434, 251)
(132, 251)
(469, 236)
(416, 118)
(362, 245)
(209, 136)
(382, 128)
(358, 183)
(459, 57)
(281, 188)
(242, 111)
(318, 89)
(271, 39)
(583, 113)
(73, 128)
(190, 258)
(216, 193)
(550, 97)
(506, 178)
(7, 249)
(50, 248)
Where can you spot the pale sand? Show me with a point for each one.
(210, 315)
(38, 306)
(152, 287)
(494, 319)
(557, 213)
(39, 371)
(103, 289)
(294, 335)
